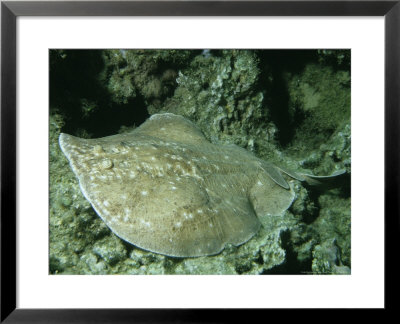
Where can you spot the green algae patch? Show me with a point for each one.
(320, 98)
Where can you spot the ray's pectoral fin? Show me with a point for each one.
(268, 198)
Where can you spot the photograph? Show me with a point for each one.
(192, 160)
(199, 161)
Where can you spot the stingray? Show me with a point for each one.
(165, 188)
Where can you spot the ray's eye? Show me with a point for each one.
(106, 164)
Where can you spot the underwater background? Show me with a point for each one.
(288, 107)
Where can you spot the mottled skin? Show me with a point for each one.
(165, 188)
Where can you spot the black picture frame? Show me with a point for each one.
(10, 10)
